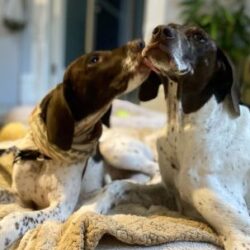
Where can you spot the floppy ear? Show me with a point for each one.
(149, 88)
(227, 81)
(58, 119)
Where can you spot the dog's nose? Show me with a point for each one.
(156, 31)
(168, 32)
(141, 44)
(137, 45)
(162, 31)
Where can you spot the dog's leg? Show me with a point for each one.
(125, 192)
(7, 196)
(15, 225)
(6, 209)
(225, 211)
(63, 184)
(128, 153)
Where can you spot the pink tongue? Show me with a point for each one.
(150, 65)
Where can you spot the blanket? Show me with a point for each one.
(130, 226)
(155, 228)
(85, 230)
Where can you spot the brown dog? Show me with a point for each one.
(64, 131)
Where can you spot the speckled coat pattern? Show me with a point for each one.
(204, 159)
(53, 184)
(64, 129)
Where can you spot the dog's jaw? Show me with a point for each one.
(135, 81)
(177, 64)
(137, 69)
(166, 61)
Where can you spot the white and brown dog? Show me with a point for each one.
(204, 158)
(204, 155)
(64, 131)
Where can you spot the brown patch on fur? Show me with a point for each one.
(90, 83)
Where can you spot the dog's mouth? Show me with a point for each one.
(150, 65)
(134, 61)
(163, 60)
(134, 68)
(142, 66)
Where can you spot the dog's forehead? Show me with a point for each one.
(94, 60)
(192, 28)
(101, 53)
(175, 26)
(189, 29)
(115, 54)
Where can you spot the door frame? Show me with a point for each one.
(46, 50)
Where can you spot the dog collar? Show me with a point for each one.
(30, 155)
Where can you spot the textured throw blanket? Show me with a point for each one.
(152, 226)
(87, 230)
(149, 228)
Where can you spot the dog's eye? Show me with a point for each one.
(94, 59)
(199, 37)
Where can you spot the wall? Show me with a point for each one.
(9, 64)
(32, 60)
(159, 12)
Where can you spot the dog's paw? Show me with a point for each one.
(7, 196)
(106, 199)
(7, 209)
(114, 194)
(237, 245)
(237, 242)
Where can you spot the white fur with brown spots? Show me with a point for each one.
(65, 128)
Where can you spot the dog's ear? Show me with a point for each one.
(106, 117)
(227, 81)
(149, 88)
(58, 119)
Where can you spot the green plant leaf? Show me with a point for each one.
(229, 27)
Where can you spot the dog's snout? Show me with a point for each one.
(141, 44)
(137, 45)
(156, 31)
(168, 32)
(164, 32)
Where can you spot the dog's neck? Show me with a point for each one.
(176, 103)
(87, 124)
(86, 135)
(173, 105)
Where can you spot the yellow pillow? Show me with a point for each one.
(13, 131)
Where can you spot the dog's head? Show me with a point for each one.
(89, 85)
(188, 56)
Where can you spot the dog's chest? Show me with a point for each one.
(37, 181)
(174, 119)
(168, 146)
(208, 142)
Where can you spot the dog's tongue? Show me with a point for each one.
(150, 65)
